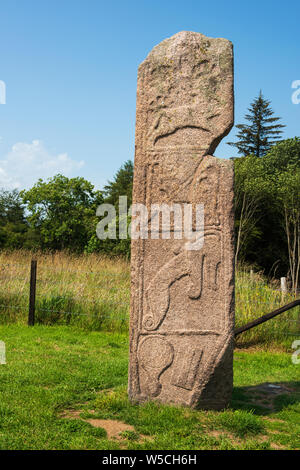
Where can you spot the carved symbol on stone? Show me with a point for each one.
(158, 291)
(155, 355)
(212, 261)
(188, 366)
(169, 122)
(212, 273)
(205, 187)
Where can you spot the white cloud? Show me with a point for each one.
(27, 162)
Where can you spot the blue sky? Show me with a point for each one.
(70, 71)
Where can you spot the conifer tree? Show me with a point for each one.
(263, 129)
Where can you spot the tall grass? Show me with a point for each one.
(93, 292)
(86, 290)
(256, 296)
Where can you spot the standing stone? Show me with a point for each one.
(182, 301)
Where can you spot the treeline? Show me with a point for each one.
(267, 194)
(60, 214)
(267, 212)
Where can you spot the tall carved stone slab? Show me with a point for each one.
(182, 301)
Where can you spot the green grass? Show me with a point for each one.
(93, 292)
(58, 378)
(255, 296)
(89, 291)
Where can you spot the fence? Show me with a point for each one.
(267, 317)
(105, 312)
(109, 312)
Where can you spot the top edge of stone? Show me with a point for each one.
(169, 46)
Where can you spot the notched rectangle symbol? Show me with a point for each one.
(188, 364)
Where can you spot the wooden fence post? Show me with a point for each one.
(32, 292)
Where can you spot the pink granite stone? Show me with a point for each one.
(182, 301)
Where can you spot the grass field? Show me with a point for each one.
(93, 292)
(87, 291)
(64, 383)
(65, 388)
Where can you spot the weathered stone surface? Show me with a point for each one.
(182, 302)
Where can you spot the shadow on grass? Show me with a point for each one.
(242, 344)
(266, 398)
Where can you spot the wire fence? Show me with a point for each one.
(59, 307)
(109, 313)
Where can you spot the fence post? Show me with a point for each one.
(32, 292)
(283, 285)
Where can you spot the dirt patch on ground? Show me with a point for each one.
(69, 414)
(219, 434)
(277, 446)
(273, 420)
(273, 445)
(114, 428)
(236, 441)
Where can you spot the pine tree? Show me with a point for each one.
(120, 186)
(262, 132)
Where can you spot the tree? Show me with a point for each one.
(13, 224)
(262, 132)
(267, 200)
(283, 155)
(120, 186)
(282, 166)
(251, 189)
(289, 197)
(62, 211)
